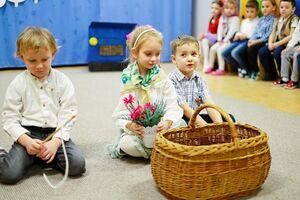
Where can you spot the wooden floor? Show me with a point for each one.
(259, 92)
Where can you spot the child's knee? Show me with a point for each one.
(77, 166)
(127, 144)
(10, 176)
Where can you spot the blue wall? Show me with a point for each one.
(69, 22)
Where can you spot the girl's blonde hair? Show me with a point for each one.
(139, 35)
(35, 38)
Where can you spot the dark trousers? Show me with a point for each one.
(16, 162)
(267, 58)
(252, 56)
(207, 118)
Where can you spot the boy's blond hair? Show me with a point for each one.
(182, 40)
(35, 38)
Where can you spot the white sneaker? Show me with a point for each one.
(2, 151)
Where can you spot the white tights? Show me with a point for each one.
(127, 144)
(205, 50)
(217, 49)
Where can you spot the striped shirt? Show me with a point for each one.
(192, 91)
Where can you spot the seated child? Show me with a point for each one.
(210, 38)
(191, 88)
(235, 53)
(229, 25)
(283, 29)
(146, 82)
(260, 36)
(38, 101)
(290, 60)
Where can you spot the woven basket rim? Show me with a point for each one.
(262, 137)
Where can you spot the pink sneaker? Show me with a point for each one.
(218, 72)
(208, 70)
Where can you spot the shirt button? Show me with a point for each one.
(41, 87)
(44, 105)
(45, 123)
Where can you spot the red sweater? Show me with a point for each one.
(213, 26)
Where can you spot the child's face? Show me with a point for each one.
(229, 9)
(286, 9)
(186, 58)
(251, 13)
(267, 8)
(38, 62)
(148, 54)
(215, 10)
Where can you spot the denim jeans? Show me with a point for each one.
(15, 163)
(235, 54)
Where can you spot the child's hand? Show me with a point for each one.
(236, 37)
(201, 36)
(271, 46)
(165, 125)
(250, 43)
(49, 149)
(136, 128)
(33, 146)
(285, 50)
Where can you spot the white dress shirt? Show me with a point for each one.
(30, 102)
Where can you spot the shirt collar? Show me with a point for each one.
(180, 76)
(50, 75)
(269, 17)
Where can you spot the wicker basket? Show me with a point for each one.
(217, 161)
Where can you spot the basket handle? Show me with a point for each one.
(227, 118)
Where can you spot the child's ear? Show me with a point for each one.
(53, 55)
(134, 54)
(20, 56)
(173, 58)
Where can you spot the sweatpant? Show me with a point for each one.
(14, 164)
(290, 62)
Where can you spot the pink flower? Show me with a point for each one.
(136, 113)
(128, 100)
(149, 106)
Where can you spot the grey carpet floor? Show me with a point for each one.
(130, 178)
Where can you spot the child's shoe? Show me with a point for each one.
(208, 70)
(280, 82)
(2, 151)
(254, 76)
(218, 72)
(291, 85)
(240, 72)
(244, 73)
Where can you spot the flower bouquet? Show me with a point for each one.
(147, 116)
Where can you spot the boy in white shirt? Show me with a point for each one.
(235, 53)
(38, 101)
